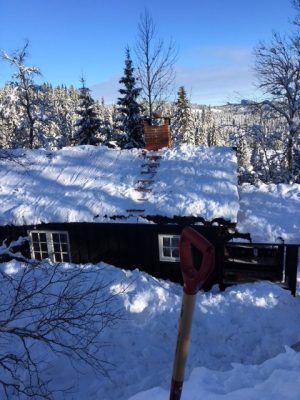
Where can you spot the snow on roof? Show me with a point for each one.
(91, 184)
(271, 213)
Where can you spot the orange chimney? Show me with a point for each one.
(157, 136)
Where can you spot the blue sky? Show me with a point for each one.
(215, 40)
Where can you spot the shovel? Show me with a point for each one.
(193, 277)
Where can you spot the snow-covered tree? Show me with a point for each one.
(182, 125)
(244, 159)
(278, 72)
(88, 123)
(212, 135)
(199, 120)
(106, 135)
(10, 118)
(128, 107)
(28, 100)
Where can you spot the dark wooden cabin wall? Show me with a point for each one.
(128, 246)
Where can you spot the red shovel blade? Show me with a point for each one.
(194, 276)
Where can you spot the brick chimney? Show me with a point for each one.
(157, 136)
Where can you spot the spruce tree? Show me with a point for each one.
(88, 123)
(183, 124)
(130, 111)
(200, 137)
(212, 136)
(106, 133)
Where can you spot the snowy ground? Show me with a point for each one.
(239, 344)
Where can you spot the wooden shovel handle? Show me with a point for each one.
(182, 346)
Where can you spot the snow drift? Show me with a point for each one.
(238, 343)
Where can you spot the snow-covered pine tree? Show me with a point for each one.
(129, 110)
(244, 159)
(182, 125)
(63, 103)
(106, 134)
(88, 123)
(200, 136)
(212, 136)
(27, 99)
(10, 118)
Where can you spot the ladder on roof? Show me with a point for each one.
(149, 168)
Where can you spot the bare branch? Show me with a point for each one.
(155, 64)
(278, 72)
(60, 308)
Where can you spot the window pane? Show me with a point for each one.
(56, 248)
(35, 237)
(36, 247)
(37, 256)
(55, 237)
(45, 255)
(57, 258)
(175, 242)
(44, 247)
(175, 253)
(66, 257)
(43, 237)
(64, 248)
(167, 252)
(166, 241)
(63, 238)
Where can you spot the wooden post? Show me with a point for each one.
(291, 265)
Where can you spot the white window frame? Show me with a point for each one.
(162, 256)
(50, 244)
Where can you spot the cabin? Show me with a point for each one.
(88, 204)
(128, 208)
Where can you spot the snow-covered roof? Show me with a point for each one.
(271, 213)
(93, 184)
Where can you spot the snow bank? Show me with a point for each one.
(90, 184)
(275, 379)
(248, 325)
(270, 212)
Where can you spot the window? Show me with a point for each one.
(168, 247)
(53, 245)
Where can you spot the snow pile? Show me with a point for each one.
(90, 184)
(248, 325)
(275, 379)
(270, 212)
